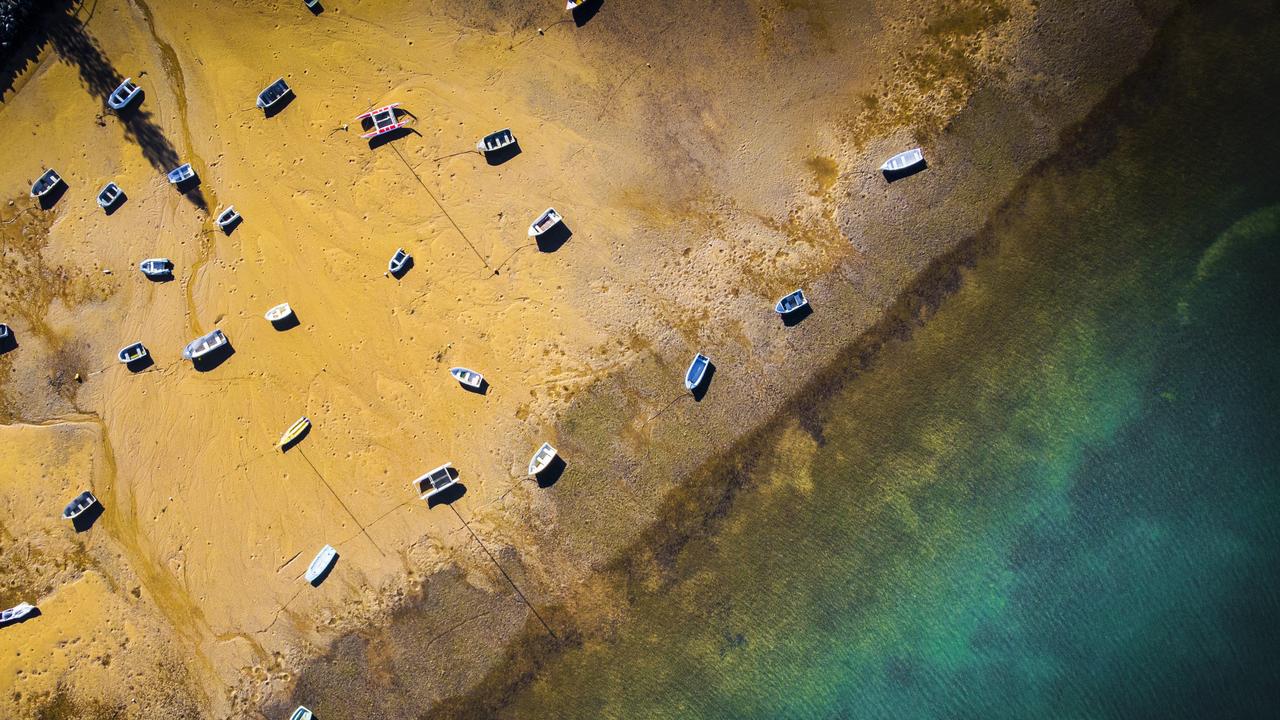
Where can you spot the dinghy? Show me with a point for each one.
(204, 345)
(120, 98)
(435, 481)
(398, 262)
(109, 195)
(181, 174)
(156, 267)
(132, 353)
(496, 141)
(302, 713)
(294, 432)
(227, 218)
(16, 613)
(324, 560)
(383, 119)
(45, 183)
(791, 303)
(903, 161)
(542, 459)
(470, 378)
(279, 312)
(76, 507)
(547, 220)
(697, 372)
(273, 93)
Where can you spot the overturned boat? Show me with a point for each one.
(204, 345)
(278, 313)
(435, 481)
(791, 303)
(469, 378)
(547, 220)
(181, 174)
(383, 121)
(156, 267)
(697, 372)
(318, 567)
(903, 162)
(16, 613)
(273, 93)
(45, 183)
(496, 141)
(227, 218)
(109, 195)
(295, 431)
(132, 353)
(79, 505)
(542, 459)
(398, 262)
(124, 94)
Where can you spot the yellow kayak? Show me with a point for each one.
(294, 432)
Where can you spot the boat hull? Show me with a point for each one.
(45, 184)
(547, 220)
(903, 162)
(321, 565)
(132, 353)
(204, 345)
(791, 303)
(469, 378)
(79, 505)
(294, 432)
(542, 459)
(697, 372)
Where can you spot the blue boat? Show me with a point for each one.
(697, 372)
(791, 303)
(398, 262)
(181, 174)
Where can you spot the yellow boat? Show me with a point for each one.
(294, 432)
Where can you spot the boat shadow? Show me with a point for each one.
(554, 238)
(448, 495)
(399, 275)
(481, 389)
(894, 175)
(8, 342)
(329, 569)
(231, 226)
(164, 277)
(143, 363)
(700, 391)
(278, 106)
(797, 316)
(120, 200)
(502, 155)
(316, 9)
(586, 11)
(287, 323)
(214, 359)
(35, 613)
(189, 185)
(552, 474)
(55, 194)
(86, 519)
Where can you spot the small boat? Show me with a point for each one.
(311, 4)
(279, 312)
(16, 613)
(45, 183)
(324, 560)
(204, 345)
(181, 174)
(496, 141)
(542, 459)
(572, 5)
(903, 161)
(132, 353)
(302, 713)
(5, 332)
(120, 98)
(434, 482)
(109, 195)
(295, 431)
(791, 303)
(273, 93)
(398, 262)
(547, 220)
(383, 119)
(156, 267)
(697, 372)
(227, 218)
(76, 507)
(470, 378)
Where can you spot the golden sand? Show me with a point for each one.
(708, 159)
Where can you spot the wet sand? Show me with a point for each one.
(707, 160)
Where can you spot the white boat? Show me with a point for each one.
(469, 378)
(572, 5)
(302, 713)
(132, 353)
(77, 506)
(120, 98)
(398, 262)
(273, 93)
(903, 161)
(204, 345)
(279, 312)
(697, 372)
(542, 459)
(156, 267)
(181, 174)
(295, 431)
(547, 220)
(227, 218)
(324, 560)
(496, 141)
(16, 613)
(5, 332)
(791, 303)
(109, 195)
(435, 481)
(45, 183)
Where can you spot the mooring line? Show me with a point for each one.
(498, 565)
(439, 205)
(340, 502)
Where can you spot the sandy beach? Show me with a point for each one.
(707, 160)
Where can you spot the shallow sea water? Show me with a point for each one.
(1058, 498)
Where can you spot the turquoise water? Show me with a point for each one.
(1057, 499)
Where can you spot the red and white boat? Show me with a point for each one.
(384, 120)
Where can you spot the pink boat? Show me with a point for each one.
(384, 120)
